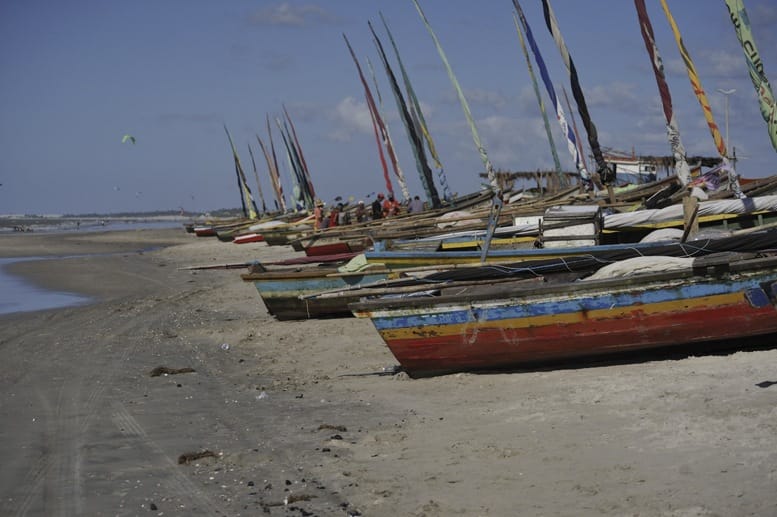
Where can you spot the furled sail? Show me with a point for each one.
(682, 171)
(463, 100)
(247, 199)
(415, 107)
(377, 122)
(275, 169)
(736, 9)
(387, 141)
(258, 183)
(274, 179)
(427, 180)
(544, 113)
(606, 174)
(299, 192)
(701, 96)
(572, 146)
(303, 163)
(574, 128)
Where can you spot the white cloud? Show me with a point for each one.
(617, 94)
(287, 15)
(721, 63)
(350, 116)
(479, 97)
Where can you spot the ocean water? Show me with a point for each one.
(18, 295)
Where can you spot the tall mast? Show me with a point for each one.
(701, 96)
(606, 174)
(682, 171)
(463, 101)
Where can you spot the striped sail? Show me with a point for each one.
(572, 146)
(464, 104)
(606, 174)
(387, 141)
(377, 122)
(306, 197)
(416, 108)
(275, 169)
(574, 128)
(303, 163)
(296, 191)
(682, 171)
(416, 142)
(249, 206)
(701, 96)
(274, 182)
(544, 113)
(258, 183)
(763, 89)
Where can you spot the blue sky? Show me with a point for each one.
(78, 75)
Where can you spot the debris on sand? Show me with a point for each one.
(189, 457)
(294, 498)
(340, 428)
(164, 370)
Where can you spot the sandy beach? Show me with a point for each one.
(290, 418)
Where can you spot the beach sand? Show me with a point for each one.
(291, 430)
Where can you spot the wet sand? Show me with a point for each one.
(293, 426)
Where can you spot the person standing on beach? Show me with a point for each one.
(415, 206)
(377, 207)
(390, 206)
(343, 217)
(333, 220)
(361, 212)
(318, 215)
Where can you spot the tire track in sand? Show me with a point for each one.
(54, 480)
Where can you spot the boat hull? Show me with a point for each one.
(551, 323)
(329, 248)
(281, 292)
(204, 231)
(248, 237)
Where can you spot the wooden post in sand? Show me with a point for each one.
(690, 221)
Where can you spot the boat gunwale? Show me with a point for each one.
(705, 269)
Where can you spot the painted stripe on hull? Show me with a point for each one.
(281, 297)
(297, 287)
(316, 250)
(489, 346)
(539, 310)
(295, 309)
(555, 324)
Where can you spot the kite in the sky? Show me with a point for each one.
(128, 138)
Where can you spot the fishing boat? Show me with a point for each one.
(518, 241)
(216, 227)
(326, 291)
(516, 325)
(245, 238)
(204, 231)
(283, 290)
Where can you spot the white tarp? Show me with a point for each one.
(675, 212)
(641, 265)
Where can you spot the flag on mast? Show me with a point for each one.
(736, 9)
(606, 174)
(462, 99)
(682, 171)
(701, 96)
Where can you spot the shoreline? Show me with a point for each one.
(10, 224)
(295, 411)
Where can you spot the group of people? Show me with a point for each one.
(384, 206)
(381, 208)
(337, 216)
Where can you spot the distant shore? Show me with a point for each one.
(176, 393)
(51, 223)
